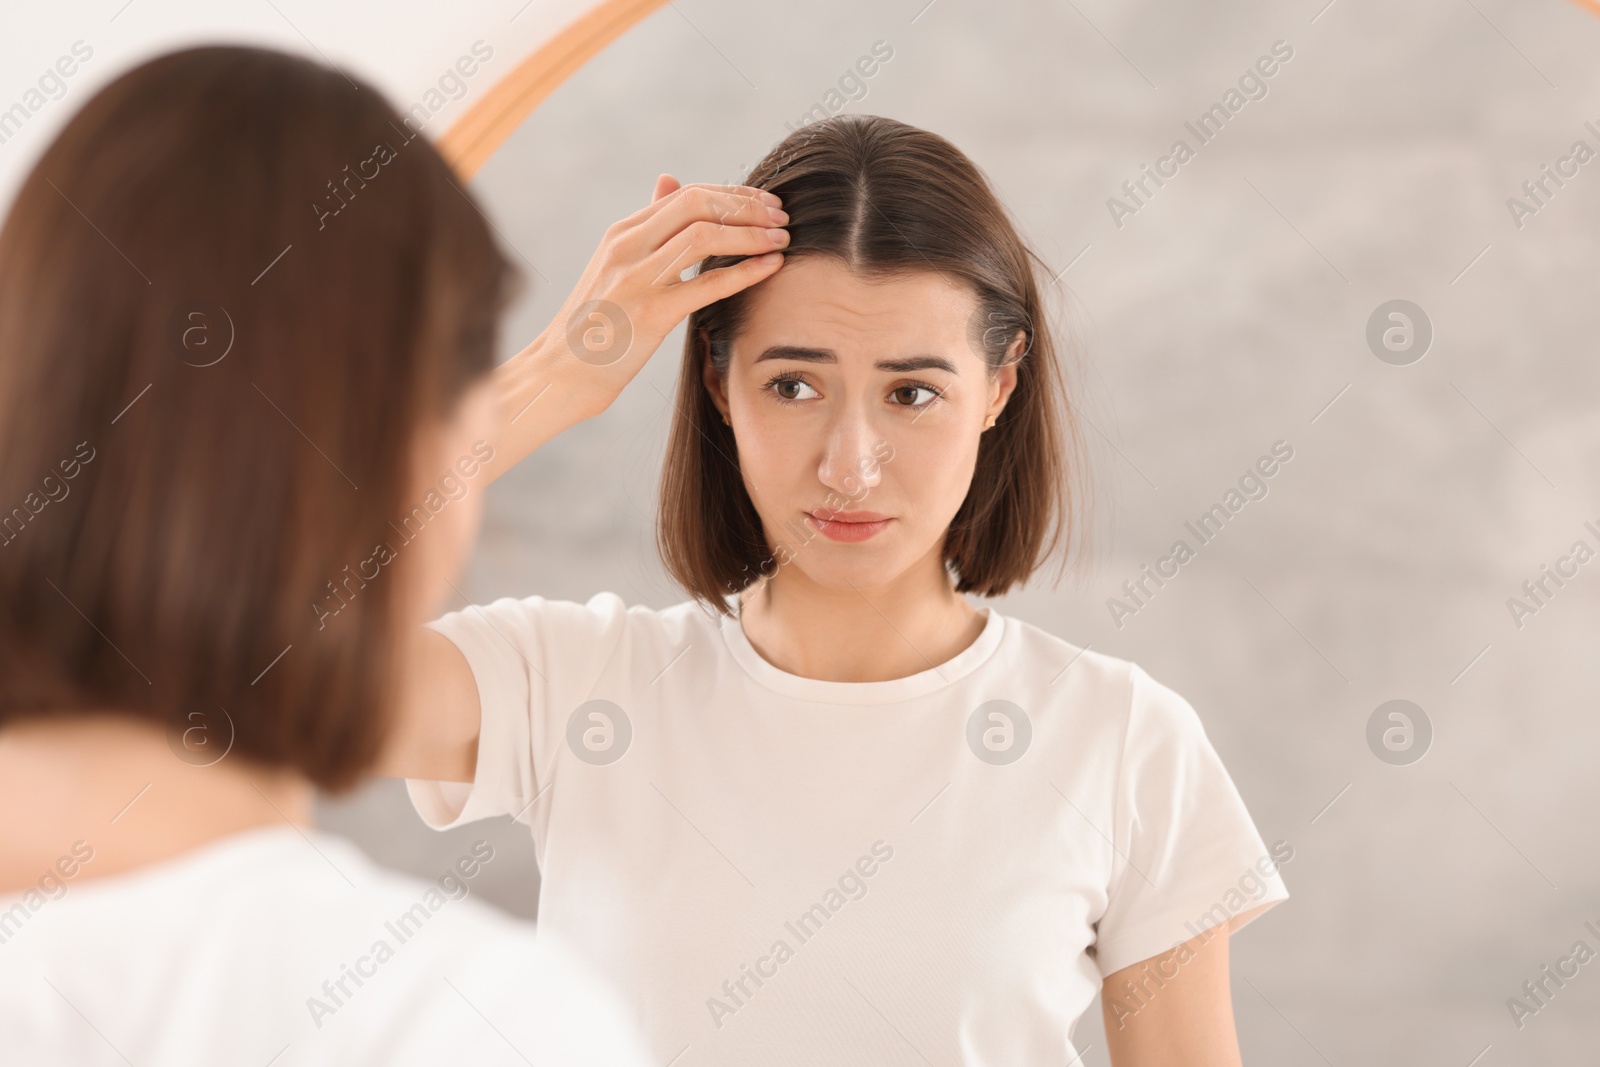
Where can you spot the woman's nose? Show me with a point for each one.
(849, 462)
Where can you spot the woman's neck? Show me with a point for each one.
(112, 783)
(857, 633)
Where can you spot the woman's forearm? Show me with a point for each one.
(540, 392)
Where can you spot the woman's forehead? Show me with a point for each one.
(819, 302)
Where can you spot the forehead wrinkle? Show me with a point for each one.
(902, 365)
(852, 312)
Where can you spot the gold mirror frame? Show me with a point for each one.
(473, 138)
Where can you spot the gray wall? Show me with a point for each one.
(1223, 316)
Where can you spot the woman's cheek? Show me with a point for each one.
(944, 480)
(767, 465)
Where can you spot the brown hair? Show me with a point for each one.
(884, 197)
(232, 292)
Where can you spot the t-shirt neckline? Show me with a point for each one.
(910, 687)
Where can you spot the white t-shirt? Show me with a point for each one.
(220, 955)
(783, 870)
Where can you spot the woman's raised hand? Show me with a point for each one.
(629, 298)
(632, 295)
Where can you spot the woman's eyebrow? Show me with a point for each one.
(827, 355)
(905, 366)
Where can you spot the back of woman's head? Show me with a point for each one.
(884, 198)
(232, 292)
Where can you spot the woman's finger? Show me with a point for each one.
(706, 238)
(697, 204)
(740, 190)
(665, 184)
(705, 289)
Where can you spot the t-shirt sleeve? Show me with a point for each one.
(1187, 855)
(534, 661)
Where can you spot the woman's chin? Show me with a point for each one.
(853, 566)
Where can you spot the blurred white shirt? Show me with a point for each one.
(281, 948)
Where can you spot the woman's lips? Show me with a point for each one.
(849, 526)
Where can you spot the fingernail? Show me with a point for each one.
(771, 198)
(779, 215)
(779, 237)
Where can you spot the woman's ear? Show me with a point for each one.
(716, 385)
(1003, 382)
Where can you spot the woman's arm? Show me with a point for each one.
(555, 383)
(1173, 1008)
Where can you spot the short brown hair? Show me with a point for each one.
(883, 198)
(170, 513)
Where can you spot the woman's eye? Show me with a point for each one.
(914, 396)
(793, 389)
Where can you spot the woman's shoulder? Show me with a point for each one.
(290, 927)
(1041, 654)
(1080, 674)
(276, 879)
(607, 609)
(594, 630)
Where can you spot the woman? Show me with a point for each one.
(246, 328)
(828, 811)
